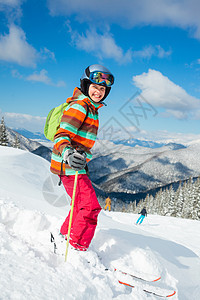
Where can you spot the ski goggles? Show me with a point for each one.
(100, 77)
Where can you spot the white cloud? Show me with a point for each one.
(104, 46)
(12, 9)
(40, 77)
(28, 122)
(14, 48)
(12, 3)
(60, 83)
(197, 115)
(177, 114)
(7, 5)
(159, 91)
(43, 77)
(161, 52)
(147, 52)
(15, 73)
(180, 13)
(48, 54)
(150, 51)
(100, 45)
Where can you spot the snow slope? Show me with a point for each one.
(31, 206)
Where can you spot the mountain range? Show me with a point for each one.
(132, 172)
(128, 170)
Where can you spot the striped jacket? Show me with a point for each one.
(78, 129)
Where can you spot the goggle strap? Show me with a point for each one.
(87, 71)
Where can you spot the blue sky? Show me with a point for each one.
(152, 47)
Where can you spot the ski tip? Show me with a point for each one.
(171, 294)
(149, 292)
(157, 279)
(127, 284)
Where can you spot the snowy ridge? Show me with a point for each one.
(160, 246)
(133, 170)
(38, 147)
(25, 143)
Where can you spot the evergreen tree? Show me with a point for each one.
(188, 195)
(16, 143)
(147, 202)
(134, 205)
(157, 203)
(178, 201)
(3, 134)
(151, 204)
(164, 202)
(196, 203)
(171, 203)
(131, 206)
(124, 208)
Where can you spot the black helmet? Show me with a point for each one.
(97, 74)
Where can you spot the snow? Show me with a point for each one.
(161, 246)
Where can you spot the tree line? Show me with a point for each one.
(182, 203)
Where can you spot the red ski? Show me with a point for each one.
(166, 295)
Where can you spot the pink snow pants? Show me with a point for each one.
(85, 213)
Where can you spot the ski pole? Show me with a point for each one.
(71, 214)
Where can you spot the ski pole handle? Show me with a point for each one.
(71, 214)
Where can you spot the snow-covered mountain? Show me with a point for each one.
(31, 207)
(125, 169)
(29, 134)
(24, 142)
(146, 143)
(28, 144)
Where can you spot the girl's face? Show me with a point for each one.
(96, 92)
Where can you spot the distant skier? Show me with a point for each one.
(108, 204)
(142, 216)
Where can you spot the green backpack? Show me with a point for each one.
(53, 121)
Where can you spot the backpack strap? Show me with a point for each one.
(87, 111)
(86, 168)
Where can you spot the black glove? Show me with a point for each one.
(75, 159)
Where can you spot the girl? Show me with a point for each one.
(71, 152)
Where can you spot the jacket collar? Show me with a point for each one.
(78, 95)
